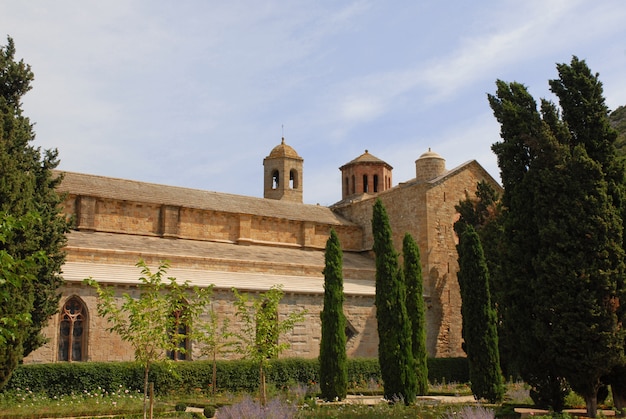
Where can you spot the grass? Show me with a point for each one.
(23, 403)
(297, 401)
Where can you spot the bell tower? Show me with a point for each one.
(367, 174)
(282, 177)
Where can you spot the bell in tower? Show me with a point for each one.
(283, 174)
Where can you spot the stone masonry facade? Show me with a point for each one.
(254, 243)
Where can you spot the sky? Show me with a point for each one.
(196, 93)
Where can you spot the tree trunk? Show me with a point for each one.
(592, 405)
(619, 398)
(145, 390)
(214, 378)
(151, 400)
(262, 394)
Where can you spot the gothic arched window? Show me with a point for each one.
(73, 331)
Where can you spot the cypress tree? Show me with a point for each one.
(521, 130)
(416, 311)
(565, 205)
(333, 357)
(395, 353)
(16, 295)
(479, 319)
(28, 186)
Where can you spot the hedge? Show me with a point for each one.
(239, 375)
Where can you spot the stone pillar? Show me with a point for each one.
(308, 234)
(169, 219)
(86, 212)
(245, 225)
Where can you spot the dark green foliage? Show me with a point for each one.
(416, 310)
(617, 119)
(237, 375)
(27, 186)
(180, 407)
(521, 126)
(448, 370)
(479, 319)
(563, 262)
(484, 214)
(333, 357)
(16, 294)
(395, 353)
(209, 412)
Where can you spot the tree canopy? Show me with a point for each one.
(333, 357)
(479, 319)
(395, 352)
(562, 268)
(158, 320)
(416, 310)
(28, 191)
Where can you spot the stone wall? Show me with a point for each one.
(118, 216)
(304, 340)
(427, 211)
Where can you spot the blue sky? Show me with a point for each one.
(196, 93)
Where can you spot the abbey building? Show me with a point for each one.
(254, 243)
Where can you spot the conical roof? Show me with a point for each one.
(366, 158)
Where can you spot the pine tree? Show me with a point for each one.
(395, 353)
(416, 310)
(479, 319)
(333, 357)
(28, 186)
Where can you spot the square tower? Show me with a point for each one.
(282, 179)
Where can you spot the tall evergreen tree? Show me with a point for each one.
(483, 213)
(27, 185)
(416, 310)
(567, 202)
(521, 128)
(16, 295)
(479, 319)
(395, 353)
(333, 357)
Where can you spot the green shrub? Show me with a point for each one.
(57, 379)
(451, 370)
(180, 407)
(209, 411)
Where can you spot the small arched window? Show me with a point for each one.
(365, 184)
(375, 183)
(73, 331)
(353, 185)
(293, 179)
(275, 179)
